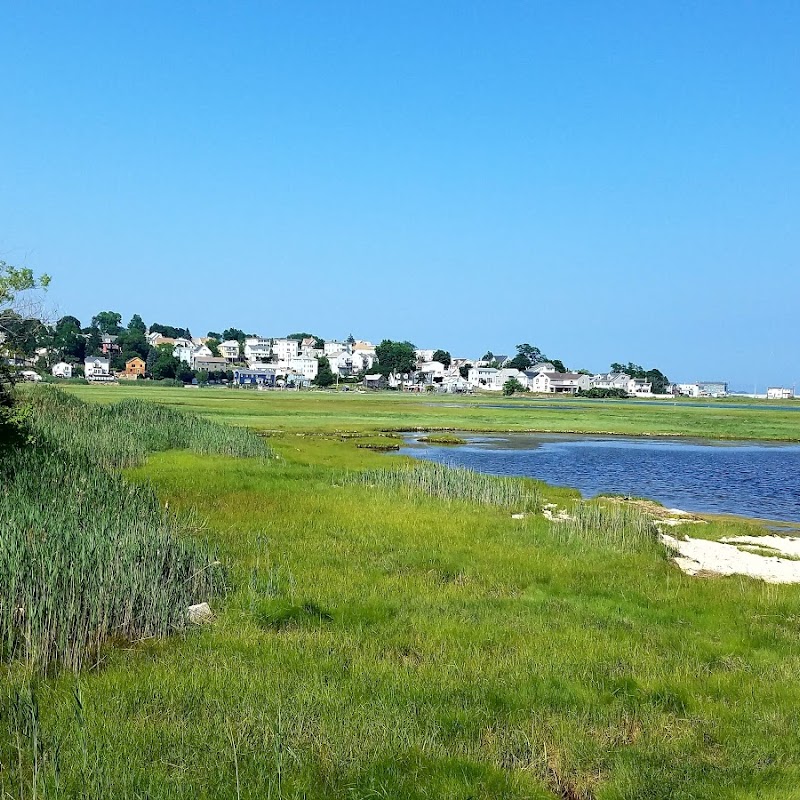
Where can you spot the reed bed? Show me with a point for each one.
(455, 483)
(619, 526)
(122, 434)
(86, 556)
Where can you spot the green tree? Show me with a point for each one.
(94, 341)
(214, 335)
(134, 341)
(164, 365)
(68, 340)
(137, 324)
(656, 377)
(14, 281)
(213, 345)
(325, 376)
(109, 323)
(511, 386)
(170, 331)
(231, 334)
(443, 357)
(395, 358)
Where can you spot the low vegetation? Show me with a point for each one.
(388, 630)
(442, 438)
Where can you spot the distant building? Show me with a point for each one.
(108, 344)
(610, 380)
(96, 368)
(210, 364)
(183, 349)
(257, 350)
(780, 393)
(559, 382)
(254, 376)
(134, 367)
(704, 389)
(229, 350)
(284, 349)
(62, 370)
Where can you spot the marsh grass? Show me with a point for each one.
(442, 438)
(598, 524)
(86, 557)
(429, 479)
(122, 434)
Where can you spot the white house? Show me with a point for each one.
(96, 368)
(257, 350)
(182, 349)
(559, 382)
(542, 366)
(431, 372)
(308, 347)
(284, 350)
(640, 387)
(199, 352)
(229, 350)
(780, 393)
(333, 347)
(704, 389)
(341, 362)
(62, 370)
(307, 366)
(424, 355)
(483, 378)
(455, 383)
(610, 380)
(364, 356)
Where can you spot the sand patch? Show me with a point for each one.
(704, 557)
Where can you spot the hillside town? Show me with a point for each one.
(106, 352)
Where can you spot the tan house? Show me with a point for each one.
(134, 367)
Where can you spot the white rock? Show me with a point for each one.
(199, 613)
(517, 516)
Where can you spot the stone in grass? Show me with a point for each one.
(199, 614)
(517, 516)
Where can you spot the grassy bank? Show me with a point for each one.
(391, 411)
(397, 634)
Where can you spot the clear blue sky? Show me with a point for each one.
(608, 181)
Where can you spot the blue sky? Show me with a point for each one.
(608, 181)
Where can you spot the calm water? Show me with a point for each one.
(750, 479)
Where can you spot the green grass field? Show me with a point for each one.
(384, 643)
(330, 411)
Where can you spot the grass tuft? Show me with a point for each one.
(455, 483)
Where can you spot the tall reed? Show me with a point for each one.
(619, 526)
(454, 483)
(86, 556)
(122, 434)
